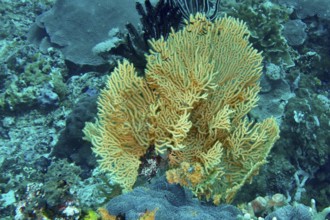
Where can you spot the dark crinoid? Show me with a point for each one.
(188, 7)
(156, 21)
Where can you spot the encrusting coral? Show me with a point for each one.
(191, 108)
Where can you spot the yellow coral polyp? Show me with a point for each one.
(199, 85)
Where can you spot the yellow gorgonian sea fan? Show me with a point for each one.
(200, 83)
(120, 135)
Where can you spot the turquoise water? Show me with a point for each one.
(55, 58)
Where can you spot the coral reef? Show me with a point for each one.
(305, 8)
(200, 83)
(39, 80)
(70, 144)
(48, 171)
(265, 21)
(295, 32)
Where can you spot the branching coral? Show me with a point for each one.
(200, 83)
